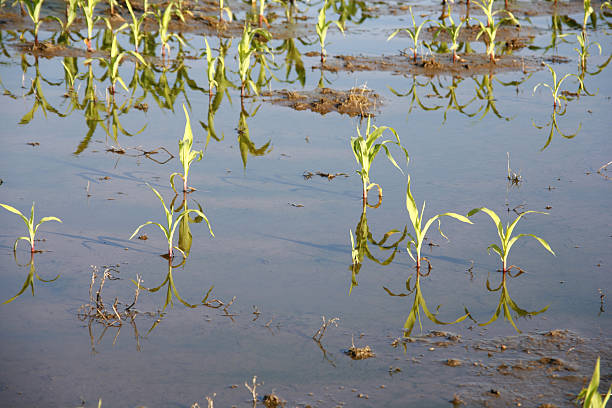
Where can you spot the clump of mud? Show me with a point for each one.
(354, 102)
(273, 401)
(360, 353)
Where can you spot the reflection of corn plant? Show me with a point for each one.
(32, 229)
(491, 28)
(39, 98)
(88, 6)
(506, 302)
(554, 126)
(112, 62)
(591, 395)
(420, 230)
(453, 32)
(360, 246)
(246, 48)
(30, 280)
(506, 238)
(170, 227)
(413, 32)
(365, 151)
(293, 58)
(136, 24)
(556, 86)
(247, 146)
(583, 51)
(171, 289)
(163, 21)
(186, 155)
(211, 70)
(417, 305)
(323, 26)
(414, 95)
(185, 238)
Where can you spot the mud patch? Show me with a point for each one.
(354, 102)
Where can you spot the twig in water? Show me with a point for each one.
(326, 323)
(513, 177)
(604, 168)
(253, 389)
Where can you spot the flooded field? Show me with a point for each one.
(277, 163)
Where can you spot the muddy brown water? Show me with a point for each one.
(281, 255)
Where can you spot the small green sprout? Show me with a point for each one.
(414, 33)
(365, 151)
(32, 229)
(556, 86)
(506, 238)
(170, 228)
(246, 48)
(211, 70)
(588, 10)
(420, 230)
(591, 396)
(88, 6)
(163, 22)
(136, 25)
(323, 26)
(583, 51)
(33, 8)
(186, 155)
(491, 28)
(453, 31)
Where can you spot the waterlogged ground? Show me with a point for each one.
(281, 255)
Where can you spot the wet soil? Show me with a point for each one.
(354, 102)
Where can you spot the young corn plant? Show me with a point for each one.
(507, 304)
(588, 10)
(556, 87)
(452, 30)
(323, 26)
(71, 13)
(163, 22)
(88, 7)
(186, 155)
(33, 8)
(246, 49)
(590, 395)
(211, 71)
(112, 62)
(365, 151)
(32, 229)
(171, 224)
(136, 25)
(227, 10)
(420, 229)
(583, 51)
(491, 28)
(506, 238)
(413, 32)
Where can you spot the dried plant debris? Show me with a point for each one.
(330, 176)
(359, 353)
(272, 401)
(354, 102)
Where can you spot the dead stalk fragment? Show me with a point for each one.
(326, 323)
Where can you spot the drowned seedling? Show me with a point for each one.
(413, 32)
(506, 238)
(555, 88)
(186, 155)
(365, 151)
(171, 224)
(322, 27)
(32, 229)
(490, 30)
(420, 230)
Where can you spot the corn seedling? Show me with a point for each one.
(33, 8)
(170, 227)
(506, 238)
(163, 22)
(491, 28)
(452, 30)
(112, 62)
(262, 18)
(556, 86)
(583, 51)
(136, 24)
(246, 48)
(365, 151)
(420, 229)
(71, 13)
(591, 395)
(32, 229)
(211, 70)
(323, 26)
(413, 32)
(88, 7)
(588, 10)
(186, 155)
(417, 305)
(507, 304)
(227, 10)
(30, 279)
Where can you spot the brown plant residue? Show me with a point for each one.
(360, 353)
(354, 102)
